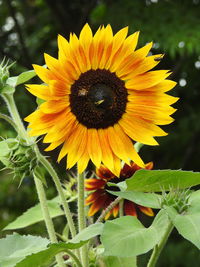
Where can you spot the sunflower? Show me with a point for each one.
(100, 98)
(101, 199)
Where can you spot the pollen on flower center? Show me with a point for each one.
(98, 99)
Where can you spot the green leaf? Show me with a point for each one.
(45, 257)
(89, 232)
(122, 185)
(160, 180)
(40, 174)
(193, 202)
(128, 235)
(13, 143)
(22, 78)
(4, 149)
(15, 248)
(34, 215)
(111, 261)
(25, 76)
(150, 200)
(12, 81)
(186, 224)
(39, 101)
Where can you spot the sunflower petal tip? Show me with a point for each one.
(34, 66)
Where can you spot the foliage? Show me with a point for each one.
(15, 248)
(174, 27)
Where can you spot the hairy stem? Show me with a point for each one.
(121, 208)
(109, 208)
(47, 218)
(158, 248)
(8, 119)
(76, 260)
(8, 98)
(81, 216)
(23, 134)
(58, 185)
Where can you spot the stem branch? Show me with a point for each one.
(72, 255)
(121, 208)
(110, 207)
(8, 119)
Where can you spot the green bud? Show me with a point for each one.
(178, 199)
(18, 157)
(4, 74)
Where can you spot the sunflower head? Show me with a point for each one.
(100, 199)
(101, 97)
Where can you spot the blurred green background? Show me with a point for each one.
(28, 28)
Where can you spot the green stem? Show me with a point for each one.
(9, 99)
(47, 218)
(72, 255)
(81, 216)
(110, 207)
(23, 134)
(158, 248)
(16, 117)
(8, 119)
(58, 185)
(121, 208)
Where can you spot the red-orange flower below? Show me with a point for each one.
(100, 199)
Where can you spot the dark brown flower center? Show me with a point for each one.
(98, 98)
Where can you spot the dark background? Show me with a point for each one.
(28, 28)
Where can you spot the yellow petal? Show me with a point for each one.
(83, 162)
(157, 115)
(118, 40)
(107, 155)
(54, 65)
(41, 91)
(161, 87)
(65, 148)
(58, 132)
(130, 62)
(117, 145)
(85, 41)
(96, 49)
(143, 66)
(94, 147)
(127, 49)
(55, 144)
(147, 80)
(65, 55)
(55, 106)
(43, 73)
(151, 98)
(77, 53)
(128, 146)
(77, 145)
(59, 88)
(117, 166)
(106, 47)
(140, 130)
